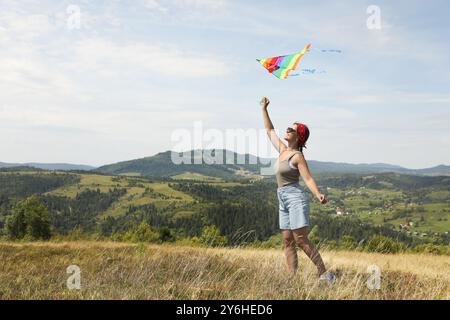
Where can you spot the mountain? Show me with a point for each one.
(437, 170)
(49, 166)
(337, 167)
(161, 165)
(342, 167)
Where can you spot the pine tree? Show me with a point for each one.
(30, 219)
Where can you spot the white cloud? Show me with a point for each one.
(165, 6)
(25, 27)
(109, 58)
(200, 4)
(193, 13)
(398, 98)
(154, 5)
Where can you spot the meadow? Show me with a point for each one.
(111, 270)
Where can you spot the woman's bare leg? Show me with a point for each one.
(290, 251)
(301, 238)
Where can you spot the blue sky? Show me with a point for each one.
(117, 87)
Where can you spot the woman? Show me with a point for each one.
(293, 201)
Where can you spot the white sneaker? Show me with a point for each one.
(328, 277)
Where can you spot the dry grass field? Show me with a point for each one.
(136, 271)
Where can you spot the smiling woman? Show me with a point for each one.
(293, 201)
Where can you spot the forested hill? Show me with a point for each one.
(411, 209)
(48, 166)
(161, 165)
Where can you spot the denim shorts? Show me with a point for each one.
(293, 207)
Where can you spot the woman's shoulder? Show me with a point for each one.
(291, 155)
(296, 156)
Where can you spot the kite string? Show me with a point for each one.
(327, 50)
(308, 71)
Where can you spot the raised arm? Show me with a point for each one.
(276, 141)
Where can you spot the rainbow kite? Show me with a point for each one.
(282, 65)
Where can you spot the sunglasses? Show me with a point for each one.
(290, 130)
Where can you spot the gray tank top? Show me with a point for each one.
(284, 173)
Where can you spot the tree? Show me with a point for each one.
(16, 225)
(142, 233)
(211, 236)
(313, 235)
(165, 234)
(29, 219)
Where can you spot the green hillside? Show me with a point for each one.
(411, 209)
(161, 165)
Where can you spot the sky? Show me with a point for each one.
(97, 82)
